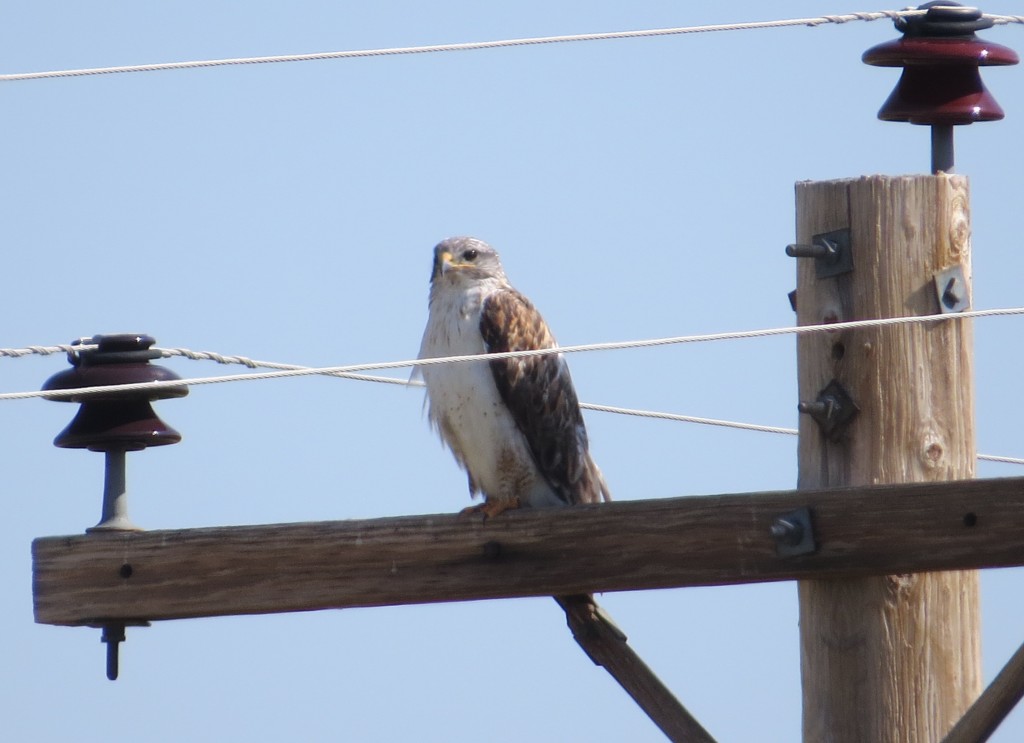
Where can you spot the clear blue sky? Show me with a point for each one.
(636, 189)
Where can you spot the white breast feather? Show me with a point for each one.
(466, 407)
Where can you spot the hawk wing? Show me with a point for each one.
(538, 392)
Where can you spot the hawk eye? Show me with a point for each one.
(471, 254)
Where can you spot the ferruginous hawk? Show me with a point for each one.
(513, 424)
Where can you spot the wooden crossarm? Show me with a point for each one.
(626, 545)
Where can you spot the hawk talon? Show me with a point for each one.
(491, 508)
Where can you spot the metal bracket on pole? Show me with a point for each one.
(793, 533)
(831, 251)
(832, 411)
(952, 290)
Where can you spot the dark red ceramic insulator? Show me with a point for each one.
(115, 422)
(119, 420)
(941, 86)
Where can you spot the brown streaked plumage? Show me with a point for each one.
(514, 425)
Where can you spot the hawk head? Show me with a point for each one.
(466, 259)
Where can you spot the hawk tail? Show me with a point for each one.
(594, 488)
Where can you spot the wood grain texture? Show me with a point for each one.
(892, 658)
(627, 545)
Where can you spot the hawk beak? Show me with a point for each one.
(445, 262)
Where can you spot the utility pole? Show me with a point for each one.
(893, 658)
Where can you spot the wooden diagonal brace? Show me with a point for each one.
(606, 645)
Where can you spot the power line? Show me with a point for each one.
(659, 415)
(740, 425)
(477, 45)
(1004, 460)
(689, 419)
(287, 370)
(15, 353)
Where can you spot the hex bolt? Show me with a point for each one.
(832, 410)
(951, 295)
(825, 249)
(832, 252)
(825, 407)
(793, 533)
(787, 531)
(796, 250)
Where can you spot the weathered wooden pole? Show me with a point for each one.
(895, 658)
